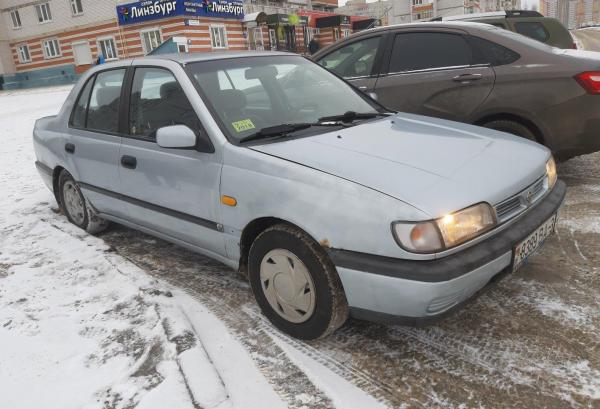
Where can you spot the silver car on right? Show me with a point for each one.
(478, 74)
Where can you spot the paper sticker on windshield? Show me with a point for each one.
(243, 125)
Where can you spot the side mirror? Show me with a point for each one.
(372, 95)
(176, 136)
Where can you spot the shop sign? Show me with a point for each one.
(215, 8)
(146, 10)
(291, 19)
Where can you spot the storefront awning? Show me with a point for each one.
(332, 21)
(365, 24)
(289, 19)
(258, 16)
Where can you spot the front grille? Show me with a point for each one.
(513, 206)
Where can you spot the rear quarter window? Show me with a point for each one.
(532, 29)
(78, 116)
(488, 52)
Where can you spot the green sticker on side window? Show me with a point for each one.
(243, 125)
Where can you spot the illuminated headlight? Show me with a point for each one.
(445, 232)
(551, 172)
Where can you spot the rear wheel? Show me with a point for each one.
(76, 208)
(295, 284)
(512, 127)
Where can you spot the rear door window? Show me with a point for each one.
(353, 60)
(532, 29)
(157, 100)
(103, 111)
(421, 51)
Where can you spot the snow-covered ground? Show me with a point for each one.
(125, 320)
(82, 327)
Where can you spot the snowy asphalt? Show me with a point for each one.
(530, 339)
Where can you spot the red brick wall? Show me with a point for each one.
(128, 40)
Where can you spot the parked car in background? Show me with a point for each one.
(331, 208)
(526, 22)
(478, 74)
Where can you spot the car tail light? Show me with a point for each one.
(590, 81)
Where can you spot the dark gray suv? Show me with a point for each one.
(479, 74)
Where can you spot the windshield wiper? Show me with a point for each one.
(279, 131)
(351, 116)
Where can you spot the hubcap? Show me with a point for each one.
(287, 285)
(73, 202)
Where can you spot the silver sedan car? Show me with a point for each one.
(332, 205)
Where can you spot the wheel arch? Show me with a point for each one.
(506, 116)
(254, 228)
(55, 178)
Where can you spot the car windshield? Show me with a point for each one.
(251, 94)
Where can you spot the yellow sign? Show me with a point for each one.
(243, 125)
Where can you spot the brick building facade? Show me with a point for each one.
(51, 41)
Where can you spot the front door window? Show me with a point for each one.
(157, 100)
(353, 60)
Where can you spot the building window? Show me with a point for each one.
(43, 12)
(76, 7)
(107, 48)
(51, 48)
(346, 32)
(23, 51)
(218, 37)
(16, 19)
(151, 39)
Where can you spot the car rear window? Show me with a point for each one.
(532, 29)
(420, 51)
(488, 52)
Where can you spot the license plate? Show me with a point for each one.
(533, 242)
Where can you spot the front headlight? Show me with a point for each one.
(551, 172)
(445, 232)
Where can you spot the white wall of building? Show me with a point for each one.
(94, 12)
(6, 61)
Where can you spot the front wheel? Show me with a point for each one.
(295, 284)
(76, 208)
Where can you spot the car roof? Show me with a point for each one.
(187, 58)
(511, 14)
(433, 24)
(196, 57)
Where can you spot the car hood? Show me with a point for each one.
(434, 165)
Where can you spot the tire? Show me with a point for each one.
(512, 127)
(311, 276)
(76, 208)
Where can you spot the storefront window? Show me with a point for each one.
(108, 48)
(51, 48)
(24, 55)
(151, 39)
(218, 37)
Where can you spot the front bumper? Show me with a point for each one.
(412, 291)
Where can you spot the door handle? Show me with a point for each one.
(70, 148)
(362, 88)
(128, 162)
(465, 78)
